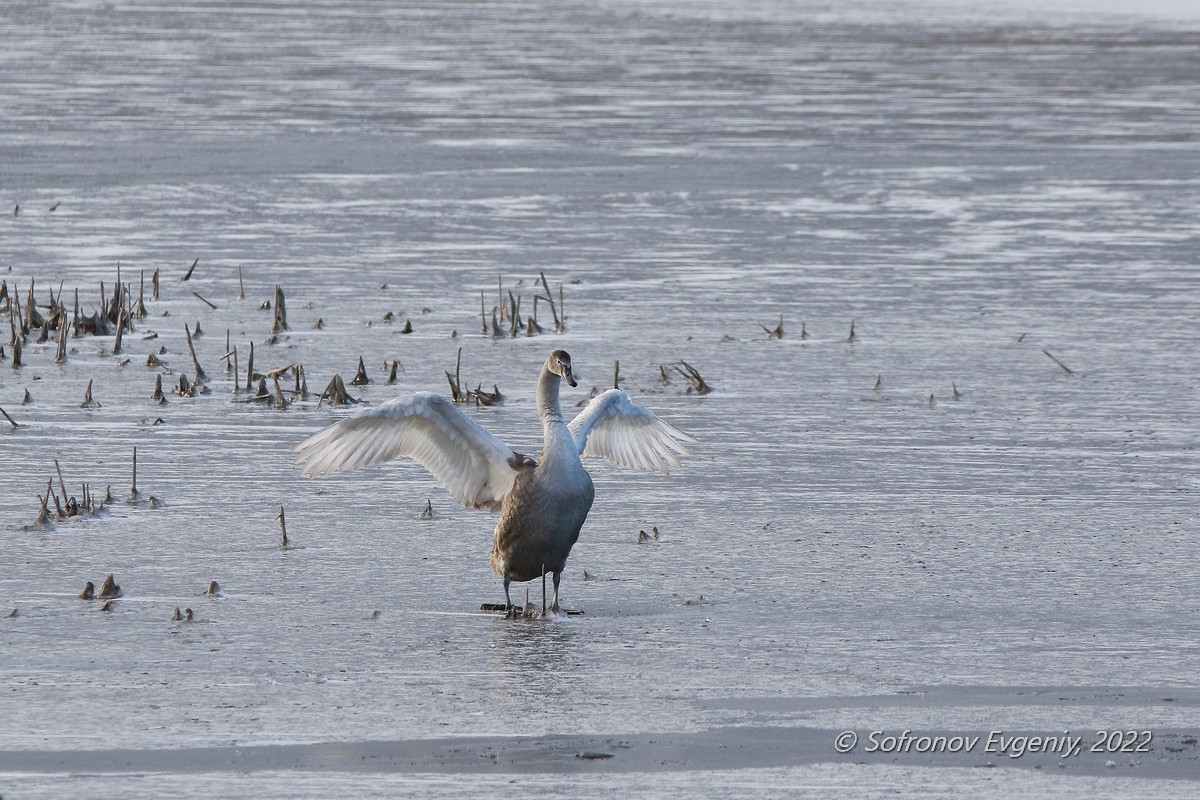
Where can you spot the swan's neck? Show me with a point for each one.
(547, 398)
(559, 443)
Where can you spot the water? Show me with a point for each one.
(967, 188)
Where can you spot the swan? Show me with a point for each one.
(542, 503)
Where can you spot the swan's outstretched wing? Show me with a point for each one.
(616, 428)
(471, 463)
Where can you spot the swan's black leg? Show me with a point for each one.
(509, 609)
(555, 608)
(554, 604)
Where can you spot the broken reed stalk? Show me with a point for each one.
(482, 312)
(280, 312)
(250, 369)
(531, 324)
(32, 318)
(61, 483)
(514, 314)
(58, 510)
(360, 378)
(139, 310)
(190, 270)
(14, 317)
(278, 401)
(210, 305)
(116, 305)
(336, 392)
(127, 298)
(283, 540)
(241, 285)
(24, 318)
(120, 327)
(154, 285)
(1064, 367)
(777, 331)
(698, 385)
(201, 378)
(133, 490)
(279, 371)
(11, 421)
(301, 383)
(44, 512)
(60, 352)
(550, 298)
(482, 398)
(228, 365)
(616, 374)
(236, 386)
(456, 393)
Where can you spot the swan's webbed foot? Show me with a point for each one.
(554, 606)
(510, 611)
(559, 611)
(555, 609)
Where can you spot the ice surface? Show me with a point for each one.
(967, 188)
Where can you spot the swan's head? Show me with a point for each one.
(559, 363)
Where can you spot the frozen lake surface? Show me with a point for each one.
(932, 528)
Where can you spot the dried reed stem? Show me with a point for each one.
(190, 270)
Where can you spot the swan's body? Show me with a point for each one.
(542, 504)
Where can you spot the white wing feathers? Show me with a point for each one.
(472, 464)
(614, 427)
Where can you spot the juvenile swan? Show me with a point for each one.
(542, 504)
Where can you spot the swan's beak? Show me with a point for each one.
(570, 376)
